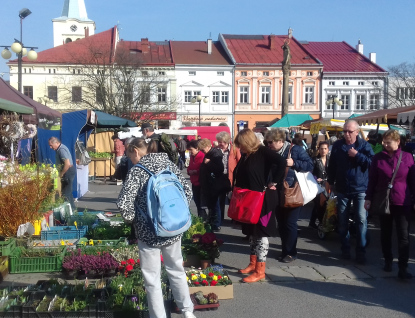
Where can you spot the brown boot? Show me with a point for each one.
(258, 275)
(251, 266)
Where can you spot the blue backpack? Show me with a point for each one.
(167, 206)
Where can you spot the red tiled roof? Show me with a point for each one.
(254, 49)
(97, 48)
(155, 53)
(195, 52)
(341, 57)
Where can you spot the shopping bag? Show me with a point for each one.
(308, 185)
(246, 205)
(329, 221)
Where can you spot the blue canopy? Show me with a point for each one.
(109, 121)
(290, 120)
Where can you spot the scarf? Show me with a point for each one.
(284, 146)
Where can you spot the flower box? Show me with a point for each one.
(214, 279)
(6, 247)
(223, 292)
(44, 264)
(64, 232)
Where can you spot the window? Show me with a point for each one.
(265, 73)
(224, 97)
(79, 71)
(54, 71)
(162, 73)
(330, 99)
(53, 93)
(220, 73)
(76, 94)
(346, 83)
(290, 94)
(332, 83)
(309, 95)
(144, 73)
(374, 102)
(28, 91)
(192, 73)
(50, 71)
(215, 97)
(187, 96)
(265, 94)
(361, 83)
(73, 71)
(360, 102)
(145, 94)
(403, 93)
(309, 73)
(161, 94)
(346, 102)
(101, 72)
(243, 73)
(375, 83)
(100, 95)
(243, 94)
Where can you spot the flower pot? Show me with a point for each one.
(204, 263)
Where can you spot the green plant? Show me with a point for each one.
(93, 154)
(44, 304)
(105, 231)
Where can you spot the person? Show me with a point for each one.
(132, 196)
(288, 217)
(125, 165)
(210, 170)
(119, 149)
(148, 132)
(375, 140)
(347, 175)
(401, 198)
(193, 170)
(321, 163)
(224, 183)
(259, 167)
(182, 146)
(67, 171)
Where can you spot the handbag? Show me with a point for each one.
(308, 185)
(380, 200)
(246, 205)
(291, 197)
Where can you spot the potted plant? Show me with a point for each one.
(207, 247)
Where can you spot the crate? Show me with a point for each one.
(43, 264)
(64, 233)
(84, 242)
(6, 247)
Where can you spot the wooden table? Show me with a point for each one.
(105, 167)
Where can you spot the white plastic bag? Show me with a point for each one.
(308, 185)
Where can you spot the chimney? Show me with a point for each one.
(271, 41)
(372, 57)
(359, 47)
(145, 47)
(86, 31)
(209, 46)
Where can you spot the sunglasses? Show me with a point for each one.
(269, 142)
(348, 131)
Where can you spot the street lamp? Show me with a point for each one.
(18, 48)
(199, 98)
(333, 100)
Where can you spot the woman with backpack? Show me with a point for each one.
(132, 203)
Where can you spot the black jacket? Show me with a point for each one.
(320, 170)
(209, 172)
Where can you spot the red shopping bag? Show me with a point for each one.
(246, 205)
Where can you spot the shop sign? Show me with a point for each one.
(210, 119)
(147, 116)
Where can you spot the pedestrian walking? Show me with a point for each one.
(287, 218)
(67, 171)
(259, 168)
(400, 202)
(348, 173)
(182, 146)
(133, 196)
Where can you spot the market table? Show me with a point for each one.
(105, 167)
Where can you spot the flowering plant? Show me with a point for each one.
(78, 261)
(208, 245)
(211, 276)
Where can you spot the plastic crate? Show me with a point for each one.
(6, 247)
(84, 242)
(42, 264)
(64, 232)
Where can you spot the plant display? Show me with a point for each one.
(125, 252)
(44, 304)
(211, 276)
(105, 231)
(207, 245)
(77, 261)
(188, 245)
(39, 252)
(22, 194)
(93, 154)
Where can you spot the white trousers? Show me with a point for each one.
(151, 267)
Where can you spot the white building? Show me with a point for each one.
(350, 76)
(202, 68)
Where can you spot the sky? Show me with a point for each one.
(385, 27)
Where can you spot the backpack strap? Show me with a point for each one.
(144, 168)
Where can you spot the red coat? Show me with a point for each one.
(234, 157)
(194, 164)
(119, 148)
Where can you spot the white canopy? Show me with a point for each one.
(406, 117)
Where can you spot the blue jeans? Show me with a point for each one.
(287, 219)
(359, 218)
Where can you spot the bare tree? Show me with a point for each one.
(401, 91)
(120, 83)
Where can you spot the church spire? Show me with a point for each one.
(75, 9)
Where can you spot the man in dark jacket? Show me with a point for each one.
(348, 173)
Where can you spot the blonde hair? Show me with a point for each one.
(393, 134)
(275, 135)
(203, 143)
(247, 139)
(223, 136)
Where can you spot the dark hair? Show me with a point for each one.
(140, 143)
(297, 141)
(324, 142)
(192, 144)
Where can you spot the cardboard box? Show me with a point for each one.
(223, 292)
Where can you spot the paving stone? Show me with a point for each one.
(304, 273)
(278, 274)
(339, 273)
(377, 271)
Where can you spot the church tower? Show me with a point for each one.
(73, 24)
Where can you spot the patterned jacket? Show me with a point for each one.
(134, 194)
